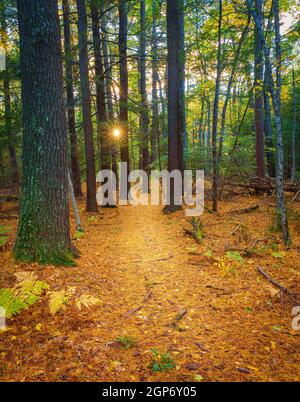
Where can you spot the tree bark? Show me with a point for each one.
(281, 205)
(216, 113)
(123, 26)
(44, 231)
(155, 79)
(293, 170)
(258, 92)
(91, 203)
(75, 166)
(144, 118)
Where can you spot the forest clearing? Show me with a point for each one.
(149, 194)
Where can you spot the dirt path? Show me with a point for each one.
(146, 272)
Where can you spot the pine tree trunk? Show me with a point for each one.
(75, 166)
(268, 129)
(293, 170)
(44, 231)
(91, 203)
(175, 148)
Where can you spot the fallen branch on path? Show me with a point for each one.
(244, 210)
(283, 290)
(133, 311)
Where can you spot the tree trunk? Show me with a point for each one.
(44, 231)
(155, 79)
(7, 102)
(175, 149)
(144, 118)
(123, 26)
(258, 92)
(216, 113)
(100, 89)
(75, 169)
(91, 203)
(281, 205)
(293, 170)
(268, 128)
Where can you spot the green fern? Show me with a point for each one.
(28, 289)
(10, 303)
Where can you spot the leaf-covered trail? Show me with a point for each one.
(146, 272)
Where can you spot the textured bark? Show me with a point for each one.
(75, 169)
(100, 89)
(123, 25)
(175, 148)
(155, 134)
(281, 205)
(7, 101)
(293, 170)
(216, 113)
(144, 118)
(258, 92)
(91, 203)
(43, 232)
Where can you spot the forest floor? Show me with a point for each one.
(215, 315)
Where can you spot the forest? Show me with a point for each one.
(96, 98)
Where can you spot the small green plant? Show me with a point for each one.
(125, 342)
(78, 235)
(161, 362)
(234, 256)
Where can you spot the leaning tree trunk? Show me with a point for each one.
(44, 231)
(258, 92)
(91, 203)
(75, 167)
(281, 205)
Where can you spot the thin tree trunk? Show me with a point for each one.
(74, 205)
(91, 203)
(268, 128)
(144, 118)
(123, 26)
(155, 79)
(229, 87)
(216, 113)
(100, 89)
(75, 169)
(44, 230)
(258, 93)
(281, 205)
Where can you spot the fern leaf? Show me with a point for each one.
(87, 301)
(10, 303)
(58, 301)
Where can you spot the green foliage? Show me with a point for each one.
(26, 292)
(78, 235)
(161, 362)
(126, 342)
(234, 256)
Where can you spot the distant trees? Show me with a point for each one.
(43, 232)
